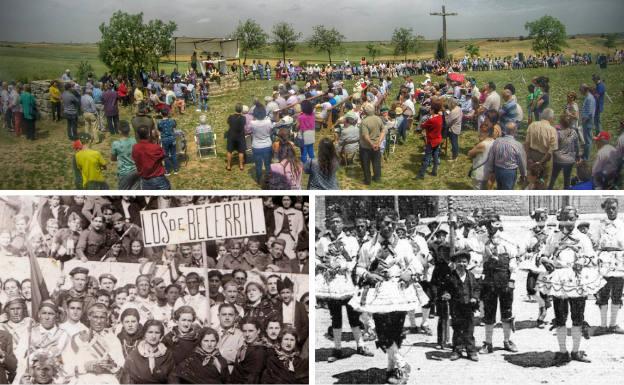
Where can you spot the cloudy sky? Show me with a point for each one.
(78, 20)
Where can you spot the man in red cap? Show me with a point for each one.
(606, 163)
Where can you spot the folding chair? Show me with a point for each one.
(206, 143)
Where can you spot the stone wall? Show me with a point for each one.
(40, 92)
(228, 83)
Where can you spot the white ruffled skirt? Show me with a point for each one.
(389, 296)
(565, 283)
(339, 286)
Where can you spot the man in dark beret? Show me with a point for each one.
(79, 277)
(292, 312)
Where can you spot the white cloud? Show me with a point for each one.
(204, 20)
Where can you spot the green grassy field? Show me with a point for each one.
(46, 163)
(34, 61)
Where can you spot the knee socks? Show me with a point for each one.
(562, 333)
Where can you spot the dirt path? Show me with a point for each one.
(531, 365)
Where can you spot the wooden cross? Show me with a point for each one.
(444, 14)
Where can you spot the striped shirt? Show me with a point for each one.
(506, 153)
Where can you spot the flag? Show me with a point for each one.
(38, 286)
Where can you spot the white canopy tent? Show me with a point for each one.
(215, 47)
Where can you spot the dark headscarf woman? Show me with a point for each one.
(251, 357)
(151, 362)
(204, 365)
(131, 330)
(183, 337)
(284, 364)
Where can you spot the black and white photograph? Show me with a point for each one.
(452, 289)
(154, 289)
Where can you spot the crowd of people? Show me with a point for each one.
(372, 119)
(277, 133)
(461, 267)
(346, 70)
(225, 312)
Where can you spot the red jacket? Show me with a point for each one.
(433, 127)
(148, 159)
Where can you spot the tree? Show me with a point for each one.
(439, 54)
(611, 39)
(373, 51)
(327, 40)
(548, 34)
(405, 41)
(127, 44)
(250, 36)
(285, 37)
(472, 50)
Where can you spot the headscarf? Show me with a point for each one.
(144, 349)
(287, 359)
(208, 358)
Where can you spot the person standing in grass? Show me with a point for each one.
(121, 152)
(29, 108)
(433, 129)
(261, 143)
(111, 110)
(91, 163)
(306, 123)
(567, 154)
(71, 107)
(89, 111)
(235, 136)
(55, 101)
(587, 119)
(148, 157)
(167, 127)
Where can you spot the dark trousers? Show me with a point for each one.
(443, 311)
(463, 327)
(368, 157)
(505, 179)
(335, 312)
(29, 128)
(576, 306)
(156, 183)
(567, 173)
(613, 290)
(112, 124)
(56, 111)
(531, 282)
(8, 119)
(72, 126)
(492, 297)
(389, 328)
(454, 144)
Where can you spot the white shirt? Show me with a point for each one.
(73, 328)
(288, 313)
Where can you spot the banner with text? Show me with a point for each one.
(209, 222)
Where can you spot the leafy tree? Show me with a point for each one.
(284, 37)
(127, 44)
(84, 69)
(250, 36)
(405, 41)
(439, 54)
(373, 51)
(548, 34)
(327, 40)
(611, 39)
(472, 50)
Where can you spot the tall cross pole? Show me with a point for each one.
(444, 14)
